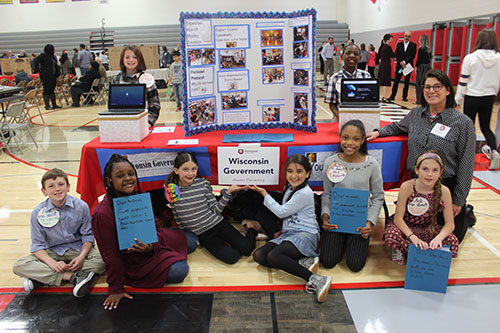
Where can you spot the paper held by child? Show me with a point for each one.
(349, 209)
(134, 220)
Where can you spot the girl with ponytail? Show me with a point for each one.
(419, 201)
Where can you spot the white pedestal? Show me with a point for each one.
(370, 117)
(123, 128)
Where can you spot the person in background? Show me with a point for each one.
(385, 54)
(133, 68)
(84, 84)
(166, 58)
(83, 60)
(74, 60)
(64, 63)
(175, 78)
(328, 53)
(405, 53)
(21, 75)
(9, 55)
(32, 63)
(478, 85)
(372, 60)
(364, 57)
(105, 59)
(46, 65)
(423, 64)
(321, 60)
(22, 54)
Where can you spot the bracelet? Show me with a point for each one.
(410, 236)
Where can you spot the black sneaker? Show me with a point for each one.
(82, 281)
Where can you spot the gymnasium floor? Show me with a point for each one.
(242, 297)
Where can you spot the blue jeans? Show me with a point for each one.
(178, 272)
(177, 93)
(192, 240)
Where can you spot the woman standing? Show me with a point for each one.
(372, 60)
(437, 125)
(46, 65)
(385, 54)
(479, 82)
(423, 64)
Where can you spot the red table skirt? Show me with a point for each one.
(90, 183)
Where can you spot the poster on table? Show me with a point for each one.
(248, 71)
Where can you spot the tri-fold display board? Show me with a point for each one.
(248, 70)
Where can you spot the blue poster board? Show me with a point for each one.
(134, 219)
(427, 270)
(348, 209)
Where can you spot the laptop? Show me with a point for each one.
(126, 99)
(359, 93)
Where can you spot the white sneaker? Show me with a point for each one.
(495, 160)
(310, 263)
(319, 285)
(28, 285)
(397, 255)
(486, 150)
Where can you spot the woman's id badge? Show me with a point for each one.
(418, 206)
(48, 218)
(336, 172)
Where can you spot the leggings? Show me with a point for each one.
(333, 245)
(226, 243)
(284, 256)
(483, 106)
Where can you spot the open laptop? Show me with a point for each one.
(359, 93)
(126, 99)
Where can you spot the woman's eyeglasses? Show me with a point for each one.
(436, 87)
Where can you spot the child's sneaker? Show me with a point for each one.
(82, 281)
(398, 257)
(495, 160)
(320, 285)
(486, 150)
(178, 109)
(310, 263)
(30, 285)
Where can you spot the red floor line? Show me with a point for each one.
(45, 125)
(31, 164)
(355, 285)
(487, 186)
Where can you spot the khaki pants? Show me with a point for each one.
(35, 269)
(328, 68)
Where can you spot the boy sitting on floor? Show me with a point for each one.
(62, 247)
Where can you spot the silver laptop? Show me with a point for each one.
(126, 99)
(359, 93)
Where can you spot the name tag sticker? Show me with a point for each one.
(440, 130)
(336, 172)
(48, 218)
(418, 206)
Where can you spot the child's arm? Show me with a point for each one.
(170, 77)
(87, 240)
(77, 263)
(376, 202)
(298, 201)
(325, 199)
(218, 206)
(449, 222)
(404, 194)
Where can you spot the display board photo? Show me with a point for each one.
(248, 71)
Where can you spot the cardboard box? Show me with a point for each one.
(9, 66)
(370, 117)
(149, 52)
(123, 128)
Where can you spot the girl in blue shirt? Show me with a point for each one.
(294, 251)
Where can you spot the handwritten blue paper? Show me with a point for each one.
(348, 209)
(134, 219)
(258, 137)
(427, 270)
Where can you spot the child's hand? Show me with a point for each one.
(140, 247)
(261, 190)
(111, 302)
(76, 264)
(326, 223)
(436, 243)
(236, 188)
(366, 231)
(419, 243)
(59, 266)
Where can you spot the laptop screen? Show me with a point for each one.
(359, 91)
(127, 96)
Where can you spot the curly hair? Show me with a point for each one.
(110, 188)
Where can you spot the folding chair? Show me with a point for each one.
(14, 123)
(32, 102)
(4, 82)
(59, 90)
(103, 91)
(93, 92)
